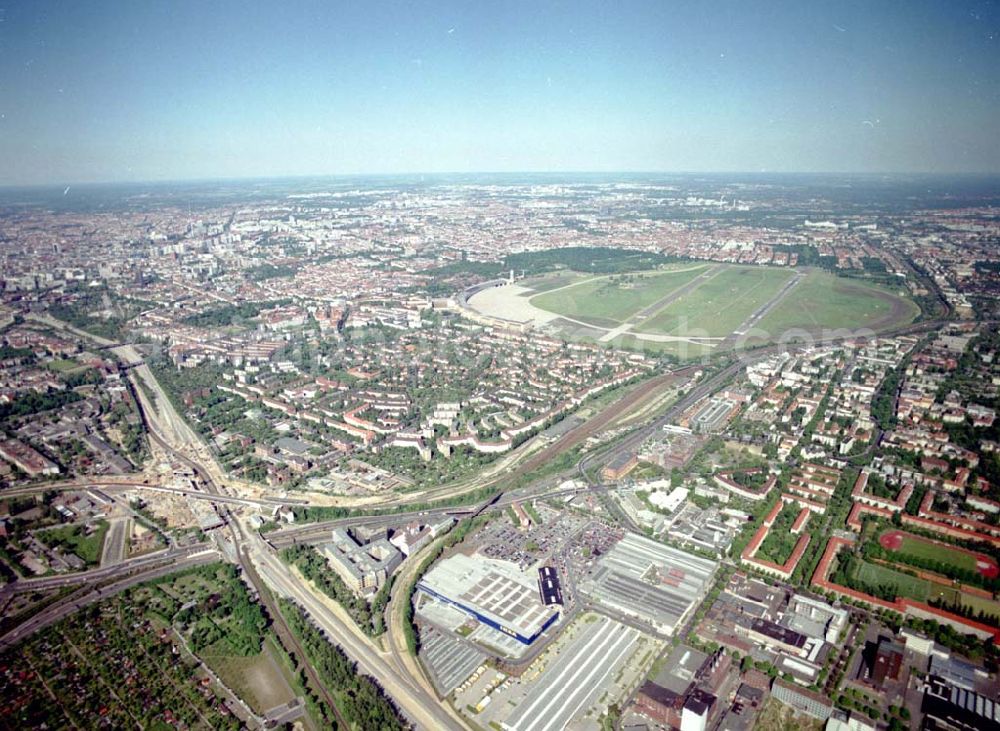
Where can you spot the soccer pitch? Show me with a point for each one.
(904, 585)
(923, 590)
(937, 552)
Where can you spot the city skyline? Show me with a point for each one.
(111, 93)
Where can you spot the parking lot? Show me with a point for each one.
(505, 541)
(596, 662)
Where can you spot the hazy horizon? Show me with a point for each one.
(108, 92)
(416, 176)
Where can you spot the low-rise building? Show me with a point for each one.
(802, 700)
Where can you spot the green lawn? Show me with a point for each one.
(76, 539)
(937, 552)
(922, 590)
(981, 604)
(64, 365)
(720, 304)
(682, 350)
(902, 584)
(257, 679)
(191, 587)
(824, 300)
(608, 301)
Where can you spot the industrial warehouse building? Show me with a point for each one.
(496, 593)
(652, 582)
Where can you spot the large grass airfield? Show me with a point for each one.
(690, 310)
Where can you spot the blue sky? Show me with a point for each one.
(114, 91)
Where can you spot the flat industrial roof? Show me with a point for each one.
(679, 670)
(643, 577)
(494, 588)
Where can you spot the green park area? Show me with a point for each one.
(83, 540)
(826, 301)
(888, 583)
(539, 285)
(779, 543)
(894, 583)
(225, 629)
(720, 304)
(64, 365)
(127, 662)
(712, 302)
(611, 300)
(261, 679)
(931, 551)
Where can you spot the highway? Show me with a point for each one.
(396, 671)
(181, 442)
(89, 594)
(142, 563)
(395, 618)
(311, 532)
(285, 636)
(418, 705)
(119, 485)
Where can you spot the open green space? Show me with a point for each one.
(824, 300)
(115, 665)
(886, 573)
(936, 552)
(257, 679)
(538, 285)
(83, 540)
(608, 301)
(951, 563)
(718, 301)
(894, 582)
(780, 541)
(977, 604)
(721, 303)
(64, 365)
(680, 348)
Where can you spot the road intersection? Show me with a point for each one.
(395, 669)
